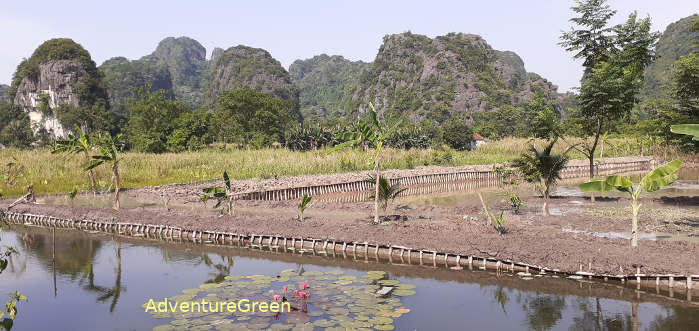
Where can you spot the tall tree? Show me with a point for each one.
(252, 117)
(614, 60)
(152, 117)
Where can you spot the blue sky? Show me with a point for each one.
(292, 30)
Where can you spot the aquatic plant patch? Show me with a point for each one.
(310, 300)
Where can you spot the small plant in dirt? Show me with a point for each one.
(373, 134)
(223, 195)
(508, 178)
(71, 196)
(108, 154)
(498, 222)
(305, 201)
(80, 144)
(654, 180)
(387, 192)
(542, 167)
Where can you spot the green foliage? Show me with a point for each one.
(547, 121)
(191, 131)
(411, 136)
(152, 117)
(542, 166)
(248, 116)
(614, 60)
(15, 128)
(222, 194)
(93, 118)
(387, 192)
(6, 253)
(457, 135)
(306, 137)
(653, 181)
(303, 205)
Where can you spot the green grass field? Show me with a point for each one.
(58, 174)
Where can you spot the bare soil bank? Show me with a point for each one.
(533, 239)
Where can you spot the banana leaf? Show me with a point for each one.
(688, 129)
(661, 176)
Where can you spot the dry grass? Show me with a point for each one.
(56, 174)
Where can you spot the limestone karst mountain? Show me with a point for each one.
(436, 78)
(243, 66)
(60, 86)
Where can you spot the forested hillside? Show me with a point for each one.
(323, 82)
(675, 42)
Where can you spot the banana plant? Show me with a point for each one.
(80, 144)
(654, 180)
(373, 134)
(303, 204)
(686, 129)
(108, 154)
(221, 194)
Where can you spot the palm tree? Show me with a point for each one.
(108, 154)
(542, 167)
(76, 145)
(373, 135)
(387, 192)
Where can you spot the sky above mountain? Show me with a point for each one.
(292, 30)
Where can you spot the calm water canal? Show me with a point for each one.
(99, 282)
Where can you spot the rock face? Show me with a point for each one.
(59, 73)
(324, 83)
(435, 79)
(185, 60)
(675, 42)
(56, 80)
(4, 94)
(243, 66)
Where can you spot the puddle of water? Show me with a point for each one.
(641, 236)
(98, 282)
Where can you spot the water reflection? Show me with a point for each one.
(93, 269)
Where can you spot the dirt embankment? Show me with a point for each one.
(532, 238)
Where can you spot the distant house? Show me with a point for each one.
(478, 140)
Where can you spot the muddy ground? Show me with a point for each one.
(532, 238)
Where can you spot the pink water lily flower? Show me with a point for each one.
(304, 285)
(296, 292)
(303, 295)
(276, 297)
